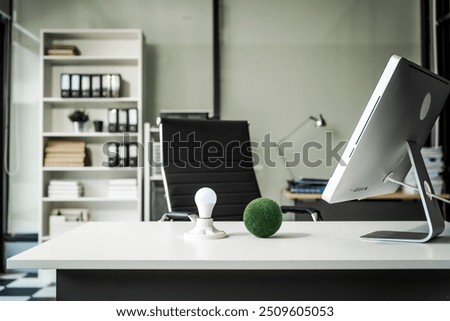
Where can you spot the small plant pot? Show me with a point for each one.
(78, 127)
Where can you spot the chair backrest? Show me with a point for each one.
(208, 153)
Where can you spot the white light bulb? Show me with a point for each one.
(205, 198)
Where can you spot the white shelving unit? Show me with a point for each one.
(102, 51)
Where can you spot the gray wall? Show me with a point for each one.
(282, 61)
(286, 60)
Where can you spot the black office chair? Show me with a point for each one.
(215, 154)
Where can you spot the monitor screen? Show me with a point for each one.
(399, 116)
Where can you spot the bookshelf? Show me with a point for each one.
(102, 51)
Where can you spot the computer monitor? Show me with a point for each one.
(387, 140)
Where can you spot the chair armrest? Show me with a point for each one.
(315, 214)
(179, 216)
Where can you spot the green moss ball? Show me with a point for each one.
(262, 217)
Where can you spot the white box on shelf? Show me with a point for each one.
(62, 220)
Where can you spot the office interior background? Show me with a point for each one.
(280, 62)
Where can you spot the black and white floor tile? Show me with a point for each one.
(26, 287)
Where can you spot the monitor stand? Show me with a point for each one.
(435, 221)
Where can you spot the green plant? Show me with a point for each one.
(79, 116)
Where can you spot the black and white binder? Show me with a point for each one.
(112, 120)
(123, 120)
(106, 85)
(65, 85)
(123, 155)
(133, 154)
(116, 81)
(85, 85)
(133, 120)
(75, 85)
(113, 154)
(96, 86)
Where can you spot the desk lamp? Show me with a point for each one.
(205, 198)
(318, 122)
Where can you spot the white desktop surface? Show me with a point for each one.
(297, 245)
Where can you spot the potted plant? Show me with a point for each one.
(78, 119)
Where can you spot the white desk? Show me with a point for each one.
(121, 260)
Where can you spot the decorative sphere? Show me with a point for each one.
(262, 217)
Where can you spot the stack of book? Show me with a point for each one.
(433, 159)
(64, 189)
(62, 153)
(122, 188)
(307, 185)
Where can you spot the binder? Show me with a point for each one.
(116, 81)
(85, 85)
(132, 120)
(113, 154)
(65, 85)
(112, 120)
(123, 155)
(75, 85)
(133, 154)
(96, 86)
(155, 161)
(123, 120)
(106, 85)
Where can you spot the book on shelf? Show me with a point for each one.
(123, 120)
(85, 85)
(61, 153)
(122, 188)
(65, 146)
(133, 154)
(75, 85)
(307, 185)
(123, 155)
(434, 162)
(62, 50)
(113, 194)
(96, 86)
(90, 85)
(123, 182)
(308, 190)
(63, 164)
(106, 85)
(63, 182)
(65, 85)
(67, 156)
(65, 189)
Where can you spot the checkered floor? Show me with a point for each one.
(26, 287)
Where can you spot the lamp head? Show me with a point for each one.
(320, 121)
(205, 199)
